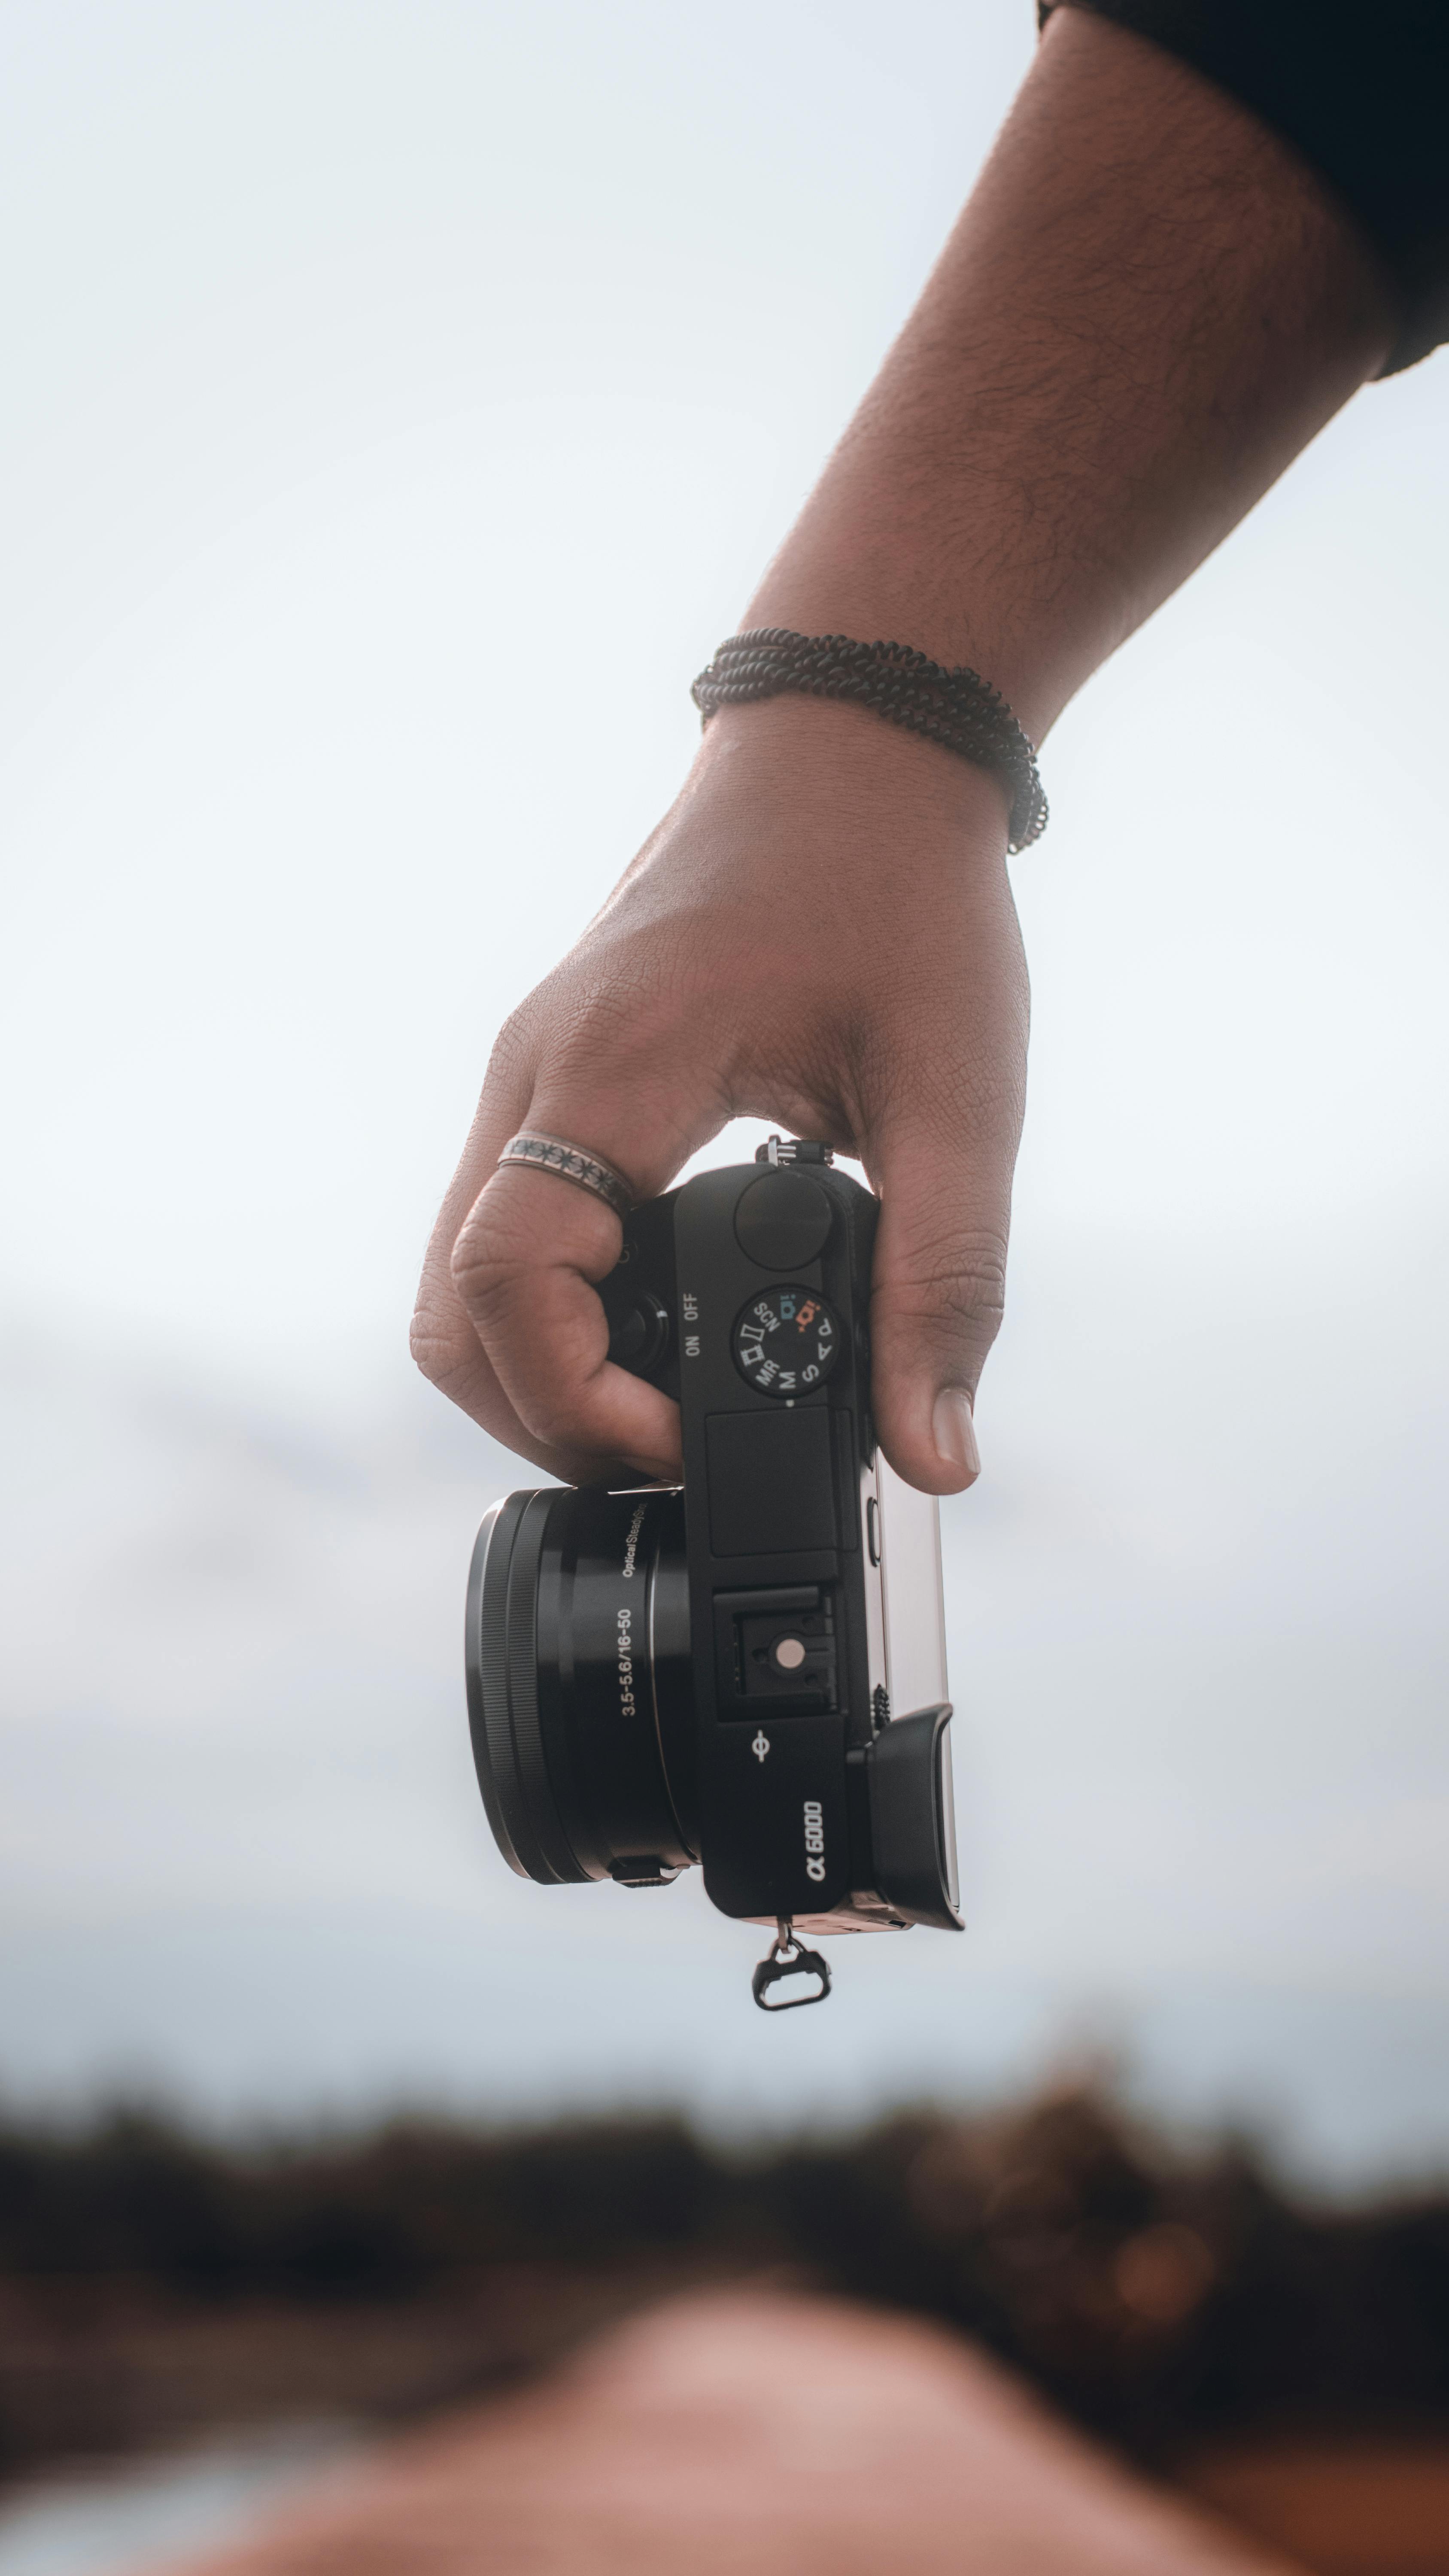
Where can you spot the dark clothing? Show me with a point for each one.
(1361, 87)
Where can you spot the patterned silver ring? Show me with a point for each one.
(540, 1153)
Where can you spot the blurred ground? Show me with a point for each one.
(627, 2291)
(1362, 2508)
(87, 2376)
(157, 2286)
(752, 2430)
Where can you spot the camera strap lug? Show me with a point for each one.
(788, 1957)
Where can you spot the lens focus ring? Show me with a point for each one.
(579, 1695)
(503, 1692)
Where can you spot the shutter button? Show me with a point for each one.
(783, 1220)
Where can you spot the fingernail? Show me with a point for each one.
(954, 1432)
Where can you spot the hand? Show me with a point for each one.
(820, 932)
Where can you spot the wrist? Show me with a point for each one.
(955, 709)
(948, 603)
(845, 769)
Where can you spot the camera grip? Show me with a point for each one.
(912, 1825)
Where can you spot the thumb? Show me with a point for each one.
(937, 1296)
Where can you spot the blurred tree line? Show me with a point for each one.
(1160, 2298)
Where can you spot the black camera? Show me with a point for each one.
(750, 1672)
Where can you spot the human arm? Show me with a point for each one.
(1148, 307)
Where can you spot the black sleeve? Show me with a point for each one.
(1361, 87)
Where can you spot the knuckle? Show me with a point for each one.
(446, 1356)
(524, 1232)
(562, 1424)
(547, 1355)
(516, 1044)
(482, 1275)
(956, 1293)
(618, 1038)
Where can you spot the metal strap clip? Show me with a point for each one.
(787, 1956)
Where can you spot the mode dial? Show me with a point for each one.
(786, 1342)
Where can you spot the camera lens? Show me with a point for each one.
(579, 1693)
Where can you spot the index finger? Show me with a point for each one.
(509, 1324)
(524, 1267)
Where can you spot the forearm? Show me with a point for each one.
(1148, 307)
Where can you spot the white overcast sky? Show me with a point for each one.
(398, 404)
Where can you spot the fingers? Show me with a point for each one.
(445, 1343)
(937, 1297)
(510, 1327)
(524, 1265)
(681, 1007)
(508, 1323)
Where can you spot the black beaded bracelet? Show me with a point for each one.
(956, 708)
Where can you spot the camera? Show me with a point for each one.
(748, 1673)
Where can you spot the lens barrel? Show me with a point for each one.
(579, 1693)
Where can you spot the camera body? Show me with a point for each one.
(750, 1676)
